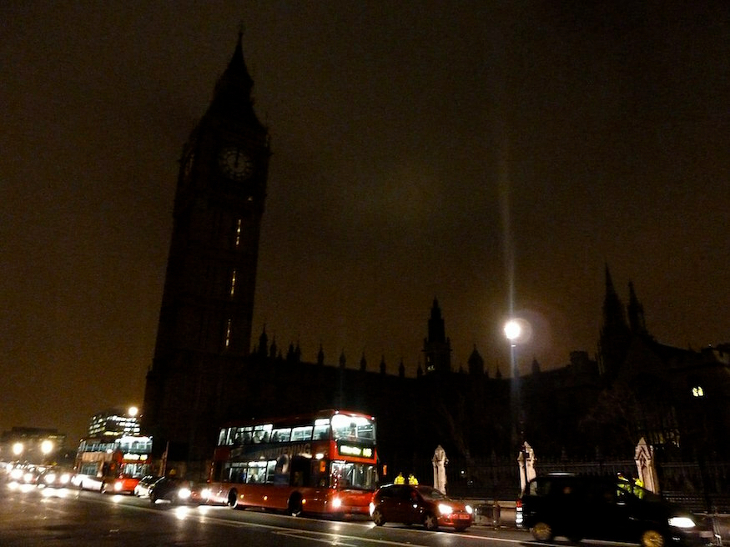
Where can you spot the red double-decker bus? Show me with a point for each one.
(323, 463)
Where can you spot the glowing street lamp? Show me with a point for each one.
(512, 331)
(47, 447)
(133, 411)
(18, 449)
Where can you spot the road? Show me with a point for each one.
(33, 517)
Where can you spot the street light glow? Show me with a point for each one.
(18, 449)
(46, 447)
(133, 410)
(512, 330)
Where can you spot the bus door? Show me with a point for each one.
(301, 471)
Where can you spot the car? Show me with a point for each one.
(172, 489)
(123, 484)
(419, 504)
(606, 508)
(56, 477)
(26, 474)
(142, 489)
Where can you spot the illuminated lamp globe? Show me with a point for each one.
(133, 411)
(512, 330)
(47, 447)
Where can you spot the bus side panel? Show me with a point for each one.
(267, 496)
(356, 502)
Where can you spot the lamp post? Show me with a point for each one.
(516, 331)
(513, 331)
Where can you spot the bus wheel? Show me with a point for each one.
(233, 499)
(295, 505)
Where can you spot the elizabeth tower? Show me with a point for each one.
(204, 331)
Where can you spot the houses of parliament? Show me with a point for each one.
(206, 370)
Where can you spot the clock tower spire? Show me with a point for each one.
(205, 324)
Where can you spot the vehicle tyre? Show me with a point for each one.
(430, 522)
(378, 517)
(153, 498)
(233, 499)
(294, 506)
(652, 538)
(542, 531)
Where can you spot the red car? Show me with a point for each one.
(119, 485)
(411, 504)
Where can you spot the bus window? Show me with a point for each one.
(321, 429)
(281, 435)
(353, 428)
(256, 472)
(302, 433)
(262, 433)
(270, 471)
(354, 475)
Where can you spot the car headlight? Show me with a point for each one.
(445, 509)
(65, 478)
(205, 493)
(184, 493)
(681, 522)
(118, 486)
(28, 477)
(336, 503)
(469, 509)
(49, 478)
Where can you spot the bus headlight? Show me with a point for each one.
(445, 509)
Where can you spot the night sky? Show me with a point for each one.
(490, 154)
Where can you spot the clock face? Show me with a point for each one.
(235, 164)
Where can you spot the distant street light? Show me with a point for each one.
(512, 330)
(133, 411)
(18, 449)
(47, 447)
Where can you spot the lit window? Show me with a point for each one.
(228, 333)
(697, 391)
(233, 283)
(238, 232)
